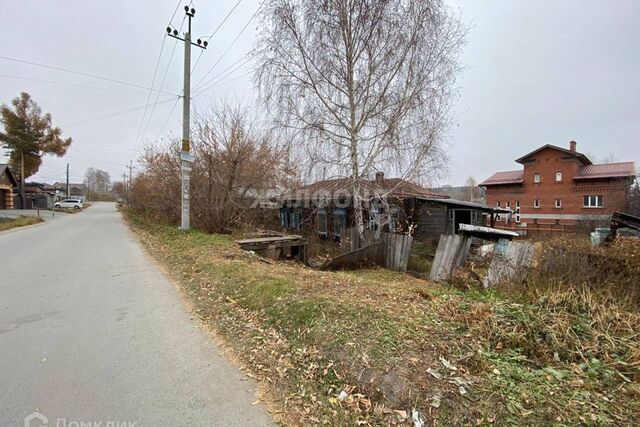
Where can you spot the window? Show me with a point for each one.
(536, 203)
(558, 203)
(558, 176)
(322, 221)
(498, 215)
(374, 217)
(394, 219)
(506, 217)
(289, 218)
(592, 201)
(536, 177)
(517, 212)
(339, 221)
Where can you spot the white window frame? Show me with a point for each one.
(517, 212)
(536, 203)
(498, 214)
(537, 178)
(558, 204)
(593, 201)
(507, 216)
(558, 176)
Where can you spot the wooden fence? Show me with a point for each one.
(391, 251)
(397, 248)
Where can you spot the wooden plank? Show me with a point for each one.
(463, 251)
(269, 239)
(437, 259)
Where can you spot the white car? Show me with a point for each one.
(69, 203)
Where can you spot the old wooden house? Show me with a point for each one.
(390, 204)
(7, 184)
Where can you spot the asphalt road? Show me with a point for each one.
(92, 331)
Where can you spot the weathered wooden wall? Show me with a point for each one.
(431, 221)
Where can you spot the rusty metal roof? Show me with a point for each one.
(341, 187)
(506, 177)
(606, 170)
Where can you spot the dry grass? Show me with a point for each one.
(7, 223)
(307, 336)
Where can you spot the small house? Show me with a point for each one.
(389, 204)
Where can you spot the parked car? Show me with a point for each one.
(69, 203)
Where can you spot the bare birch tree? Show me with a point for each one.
(368, 83)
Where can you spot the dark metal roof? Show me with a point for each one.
(462, 203)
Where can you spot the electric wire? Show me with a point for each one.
(80, 73)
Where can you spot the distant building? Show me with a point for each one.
(75, 190)
(559, 189)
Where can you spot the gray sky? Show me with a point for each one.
(536, 72)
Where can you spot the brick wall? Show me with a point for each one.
(571, 194)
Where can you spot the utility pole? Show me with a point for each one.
(124, 187)
(67, 187)
(185, 156)
(130, 175)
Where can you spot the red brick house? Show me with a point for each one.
(559, 189)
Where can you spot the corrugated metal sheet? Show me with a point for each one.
(607, 170)
(506, 177)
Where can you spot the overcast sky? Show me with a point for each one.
(536, 72)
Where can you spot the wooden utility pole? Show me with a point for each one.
(185, 156)
(130, 175)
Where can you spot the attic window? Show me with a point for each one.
(536, 177)
(558, 176)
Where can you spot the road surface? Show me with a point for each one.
(91, 331)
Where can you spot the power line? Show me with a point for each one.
(80, 73)
(153, 81)
(165, 122)
(200, 84)
(109, 115)
(216, 81)
(164, 77)
(69, 84)
(215, 31)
